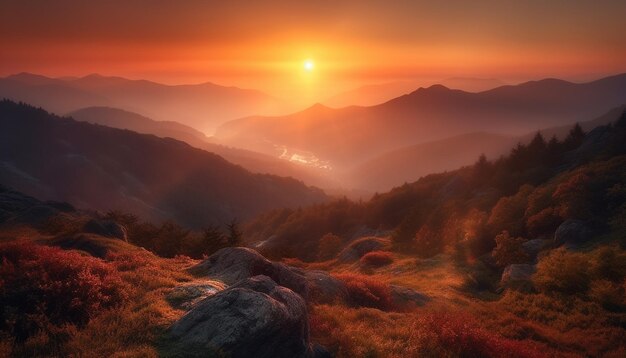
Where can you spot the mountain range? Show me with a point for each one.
(408, 164)
(347, 137)
(105, 168)
(201, 106)
(373, 94)
(252, 161)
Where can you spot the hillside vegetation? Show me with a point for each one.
(528, 193)
(104, 168)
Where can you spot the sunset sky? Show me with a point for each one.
(264, 44)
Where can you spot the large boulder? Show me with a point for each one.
(233, 264)
(518, 276)
(362, 246)
(253, 318)
(188, 295)
(106, 228)
(572, 233)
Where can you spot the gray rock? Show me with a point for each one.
(360, 247)
(532, 247)
(404, 296)
(187, 296)
(233, 264)
(517, 276)
(572, 233)
(106, 228)
(253, 318)
(324, 288)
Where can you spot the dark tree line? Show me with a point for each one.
(170, 239)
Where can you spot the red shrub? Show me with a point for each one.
(377, 258)
(42, 285)
(544, 223)
(461, 336)
(367, 291)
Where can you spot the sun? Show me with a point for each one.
(309, 65)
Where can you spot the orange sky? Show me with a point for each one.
(262, 44)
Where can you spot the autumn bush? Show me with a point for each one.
(367, 291)
(608, 294)
(562, 271)
(43, 287)
(364, 332)
(377, 258)
(544, 223)
(603, 270)
(460, 335)
(509, 250)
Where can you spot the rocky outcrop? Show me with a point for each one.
(106, 228)
(360, 247)
(518, 276)
(572, 233)
(233, 264)
(253, 318)
(324, 288)
(262, 313)
(188, 295)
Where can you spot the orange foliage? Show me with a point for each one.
(461, 335)
(43, 286)
(509, 250)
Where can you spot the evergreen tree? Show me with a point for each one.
(235, 236)
(574, 138)
(213, 239)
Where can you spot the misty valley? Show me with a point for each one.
(312, 180)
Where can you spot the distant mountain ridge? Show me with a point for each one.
(252, 161)
(408, 164)
(374, 94)
(119, 118)
(103, 168)
(348, 136)
(202, 106)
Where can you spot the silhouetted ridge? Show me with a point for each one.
(159, 178)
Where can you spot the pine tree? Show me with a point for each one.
(235, 236)
(574, 138)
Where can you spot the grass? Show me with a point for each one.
(132, 329)
(377, 258)
(366, 332)
(529, 324)
(455, 323)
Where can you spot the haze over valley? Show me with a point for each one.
(286, 179)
